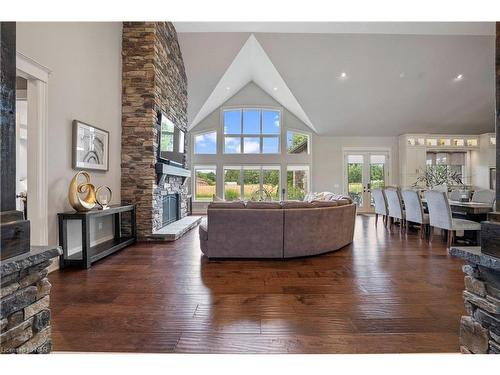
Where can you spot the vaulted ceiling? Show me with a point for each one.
(408, 79)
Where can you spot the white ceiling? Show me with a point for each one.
(251, 64)
(414, 28)
(395, 84)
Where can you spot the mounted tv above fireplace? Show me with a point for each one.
(170, 141)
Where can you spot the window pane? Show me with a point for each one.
(251, 183)
(232, 184)
(251, 145)
(355, 178)
(297, 143)
(271, 183)
(205, 184)
(205, 143)
(232, 122)
(297, 183)
(251, 122)
(232, 145)
(270, 122)
(271, 145)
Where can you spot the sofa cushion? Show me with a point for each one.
(252, 204)
(225, 204)
(203, 230)
(296, 204)
(326, 203)
(309, 197)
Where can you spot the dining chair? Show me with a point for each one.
(442, 187)
(414, 210)
(395, 207)
(380, 205)
(440, 216)
(483, 196)
(457, 194)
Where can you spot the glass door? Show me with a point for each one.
(365, 171)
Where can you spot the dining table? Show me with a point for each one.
(475, 211)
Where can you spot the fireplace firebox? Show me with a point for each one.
(171, 208)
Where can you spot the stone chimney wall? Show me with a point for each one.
(153, 79)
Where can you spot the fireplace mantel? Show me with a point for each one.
(163, 170)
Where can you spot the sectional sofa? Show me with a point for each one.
(276, 229)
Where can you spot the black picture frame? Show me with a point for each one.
(100, 153)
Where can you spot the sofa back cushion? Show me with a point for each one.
(227, 204)
(296, 204)
(325, 203)
(266, 205)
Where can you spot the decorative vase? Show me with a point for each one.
(86, 188)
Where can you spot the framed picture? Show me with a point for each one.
(90, 147)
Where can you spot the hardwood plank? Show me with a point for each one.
(385, 293)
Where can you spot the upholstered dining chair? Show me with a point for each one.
(414, 210)
(380, 205)
(457, 194)
(395, 207)
(483, 196)
(440, 216)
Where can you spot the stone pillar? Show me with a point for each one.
(24, 302)
(497, 116)
(153, 79)
(480, 329)
(14, 228)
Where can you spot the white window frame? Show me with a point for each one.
(260, 135)
(198, 167)
(194, 135)
(260, 167)
(302, 132)
(299, 167)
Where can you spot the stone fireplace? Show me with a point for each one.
(153, 79)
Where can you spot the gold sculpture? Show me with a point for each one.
(103, 201)
(92, 194)
(75, 189)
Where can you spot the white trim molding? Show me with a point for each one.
(37, 76)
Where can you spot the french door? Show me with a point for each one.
(363, 171)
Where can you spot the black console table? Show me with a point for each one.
(90, 254)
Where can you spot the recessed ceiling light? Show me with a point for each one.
(459, 77)
(228, 88)
(343, 75)
(275, 88)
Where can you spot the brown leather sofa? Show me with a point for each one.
(276, 230)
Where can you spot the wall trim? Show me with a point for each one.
(37, 76)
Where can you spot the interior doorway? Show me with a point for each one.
(31, 145)
(364, 171)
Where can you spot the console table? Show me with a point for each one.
(90, 254)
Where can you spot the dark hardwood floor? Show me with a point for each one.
(386, 293)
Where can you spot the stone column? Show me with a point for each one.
(14, 228)
(24, 302)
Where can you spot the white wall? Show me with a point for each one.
(481, 162)
(85, 84)
(328, 158)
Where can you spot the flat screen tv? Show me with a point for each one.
(170, 141)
